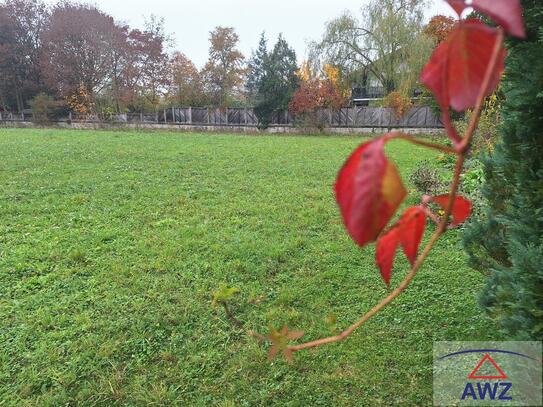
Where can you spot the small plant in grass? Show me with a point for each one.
(426, 179)
(464, 69)
(222, 297)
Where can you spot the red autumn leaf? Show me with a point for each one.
(458, 5)
(408, 232)
(386, 251)
(461, 208)
(413, 223)
(458, 66)
(368, 190)
(507, 13)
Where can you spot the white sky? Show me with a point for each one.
(191, 20)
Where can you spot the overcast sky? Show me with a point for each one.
(191, 20)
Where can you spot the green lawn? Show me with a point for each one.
(111, 243)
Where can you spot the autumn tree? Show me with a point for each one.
(146, 76)
(375, 44)
(119, 61)
(439, 27)
(186, 83)
(78, 49)
(277, 82)
(224, 72)
(316, 92)
(22, 23)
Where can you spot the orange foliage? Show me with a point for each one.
(81, 101)
(439, 28)
(316, 93)
(399, 102)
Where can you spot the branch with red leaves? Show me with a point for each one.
(462, 72)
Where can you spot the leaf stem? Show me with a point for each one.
(462, 150)
(435, 146)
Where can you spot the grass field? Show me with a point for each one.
(111, 243)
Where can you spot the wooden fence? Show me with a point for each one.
(350, 117)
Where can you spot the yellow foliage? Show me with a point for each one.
(332, 73)
(304, 73)
(81, 101)
(399, 102)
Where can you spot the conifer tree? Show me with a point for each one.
(257, 66)
(278, 83)
(508, 243)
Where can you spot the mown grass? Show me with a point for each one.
(111, 243)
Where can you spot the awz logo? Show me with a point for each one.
(487, 374)
(486, 390)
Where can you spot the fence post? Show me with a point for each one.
(1, 117)
(208, 116)
(227, 117)
(426, 116)
(190, 115)
(23, 116)
(141, 117)
(165, 117)
(156, 116)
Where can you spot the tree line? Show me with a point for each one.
(74, 56)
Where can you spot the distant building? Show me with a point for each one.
(363, 95)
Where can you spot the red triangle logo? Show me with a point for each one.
(474, 375)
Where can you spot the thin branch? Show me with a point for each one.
(435, 146)
(365, 31)
(442, 227)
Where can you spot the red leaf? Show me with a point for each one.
(507, 13)
(413, 223)
(458, 5)
(458, 66)
(461, 208)
(408, 232)
(368, 191)
(386, 251)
